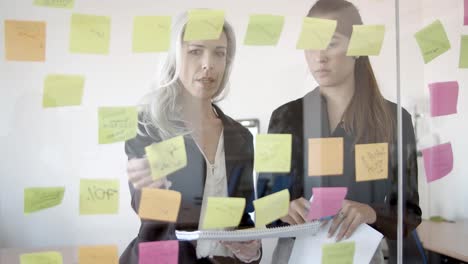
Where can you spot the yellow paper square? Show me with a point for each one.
(273, 153)
(271, 208)
(62, 90)
(159, 204)
(338, 253)
(316, 33)
(99, 196)
(151, 33)
(325, 156)
(25, 40)
(90, 34)
(264, 30)
(98, 254)
(463, 63)
(117, 124)
(432, 41)
(204, 24)
(366, 40)
(39, 198)
(46, 257)
(223, 212)
(371, 161)
(166, 157)
(55, 3)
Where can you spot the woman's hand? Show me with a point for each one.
(139, 174)
(298, 210)
(246, 251)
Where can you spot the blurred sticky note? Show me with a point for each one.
(166, 157)
(432, 41)
(117, 124)
(371, 161)
(46, 257)
(327, 201)
(159, 204)
(316, 33)
(325, 156)
(273, 152)
(444, 98)
(166, 252)
(264, 30)
(25, 40)
(151, 33)
(98, 254)
(465, 17)
(438, 161)
(55, 3)
(366, 40)
(63, 90)
(204, 24)
(90, 34)
(271, 208)
(99, 196)
(222, 212)
(39, 198)
(338, 253)
(463, 63)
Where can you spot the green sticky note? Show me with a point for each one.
(316, 33)
(62, 90)
(204, 24)
(166, 157)
(366, 40)
(46, 257)
(99, 196)
(338, 253)
(151, 33)
(273, 153)
(223, 212)
(55, 3)
(271, 207)
(463, 52)
(117, 124)
(432, 41)
(264, 30)
(39, 198)
(89, 34)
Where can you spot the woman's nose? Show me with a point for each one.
(207, 63)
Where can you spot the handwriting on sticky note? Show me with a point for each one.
(327, 201)
(39, 198)
(271, 208)
(89, 34)
(151, 33)
(55, 3)
(432, 41)
(264, 30)
(342, 253)
(204, 24)
(325, 156)
(273, 153)
(99, 196)
(159, 204)
(316, 33)
(366, 40)
(444, 98)
(25, 40)
(62, 90)
(166, 252)
(463, 62)
(117, 124)
(46, 257)
(98, 254)
(438, 161)
(222, 212)
(371, 161)
(166, 157)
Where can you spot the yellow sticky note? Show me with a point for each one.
(117, 124)
(366, 40)
(264, 30)
(90, 34)
(273, 153)
(222, 212)
(325, 156)
(39, 198)
(204, 24)
(159, 204)
(166, 157)
(463, 64)
(98, 254)
(99, 196)
(46, 257)
(25, 40)
(55, 3)
(432, 41)
(271, 208)
(62, 90)
(371, 161)
(316, 33)
(151, 33)
(338, 253)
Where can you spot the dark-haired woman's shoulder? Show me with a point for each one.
(288, 117)
(406, 116)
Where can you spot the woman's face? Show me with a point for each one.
(203, 65)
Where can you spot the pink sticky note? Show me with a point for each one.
(438, 161)
(166, 252)
(444, 98)
(326, 201)
(466, 13)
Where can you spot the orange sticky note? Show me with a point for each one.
(371, 161)
(325, 156)
(159, 204)
(98, 254)
(25, 40)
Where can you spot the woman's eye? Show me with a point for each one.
(195, 52)
(221, 53)
(332, 44)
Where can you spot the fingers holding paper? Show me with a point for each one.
(350, 217)
(297, 213)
